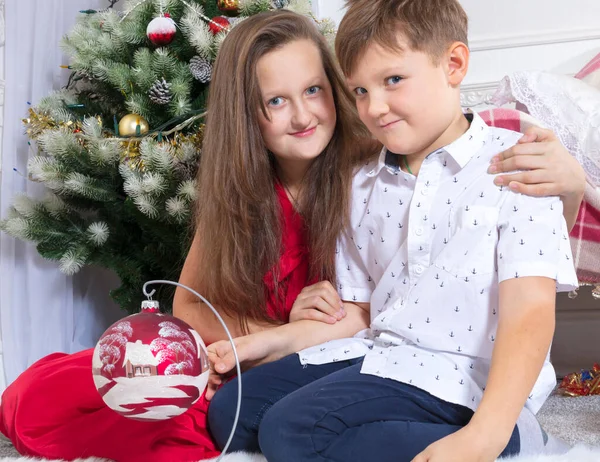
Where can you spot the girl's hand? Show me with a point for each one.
(547, 167)
(466, 445)
(319, 302)
(251, 350)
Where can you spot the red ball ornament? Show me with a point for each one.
(150, 366)
(218, 24)
(161, 31)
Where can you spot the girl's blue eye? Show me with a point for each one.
(275, 101)
(313, 90)
(359, 91)
(393, 80)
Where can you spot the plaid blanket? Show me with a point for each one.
(585, 240)
(585, 236)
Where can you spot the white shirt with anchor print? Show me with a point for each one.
(428, 253)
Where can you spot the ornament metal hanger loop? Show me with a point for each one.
(233, 348)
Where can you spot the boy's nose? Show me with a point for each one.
(377, 108)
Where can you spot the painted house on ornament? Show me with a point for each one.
(139, 360)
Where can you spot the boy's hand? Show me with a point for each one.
(548, 168)
(251, 350)
(319, 302)
(466, 445)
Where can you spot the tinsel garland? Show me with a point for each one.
(38, 122)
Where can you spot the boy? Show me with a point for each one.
(460, 273)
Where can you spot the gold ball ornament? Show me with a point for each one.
(230, 7)
(128, 125)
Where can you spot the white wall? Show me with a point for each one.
(1, 75)
(2, 376)
(553, 35)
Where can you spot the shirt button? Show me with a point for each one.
(419, 231)
(425, 191)
(418, 269)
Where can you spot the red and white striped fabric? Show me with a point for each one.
(585, 240)
(585, 237)
(510, 119)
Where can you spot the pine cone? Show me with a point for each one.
(160, 93)
(201, 69)
(280, 3)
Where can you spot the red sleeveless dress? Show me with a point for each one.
(53, 409)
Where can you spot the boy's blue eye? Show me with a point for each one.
(393, 80)
(359, 91)
(313, 90)
(275, 101)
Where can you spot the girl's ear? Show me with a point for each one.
(457, 62)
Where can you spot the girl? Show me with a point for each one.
(281, 141)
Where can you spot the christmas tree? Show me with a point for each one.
(118, 147)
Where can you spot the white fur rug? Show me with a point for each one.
(579, 453)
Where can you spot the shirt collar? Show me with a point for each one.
(464, 148)
(461, 150)
(381, 162)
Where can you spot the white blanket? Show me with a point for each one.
(579, 453)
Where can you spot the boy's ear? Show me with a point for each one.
(457, 59)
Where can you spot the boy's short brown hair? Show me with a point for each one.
(428, 26)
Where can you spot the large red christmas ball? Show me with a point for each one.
(150, 366)
(161, 31)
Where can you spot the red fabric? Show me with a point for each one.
(53, 409)
(292, 272)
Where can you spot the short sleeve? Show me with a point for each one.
(534, 241)
(354, 283)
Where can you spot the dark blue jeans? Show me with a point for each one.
(333, 413)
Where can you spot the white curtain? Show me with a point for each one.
(41, 310)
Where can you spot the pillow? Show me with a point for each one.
(568, 106)
(590, 74)
(593, 79)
